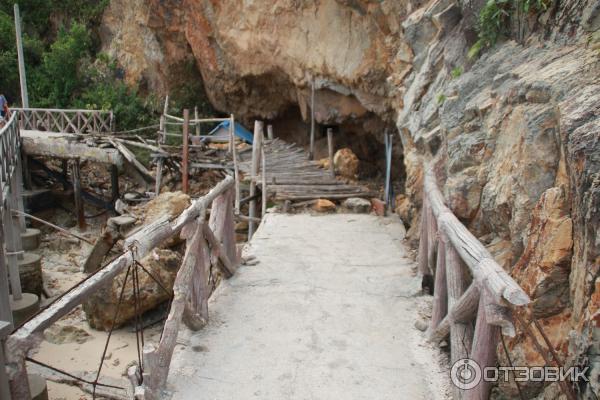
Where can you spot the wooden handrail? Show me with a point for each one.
(488, 298)
(139, 245)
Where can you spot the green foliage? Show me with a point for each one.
(475, 50)
(58, 77)
(65, 70)
(456, 72)
(441, 98)
(495, 20)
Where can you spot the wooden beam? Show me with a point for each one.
(228, 267)
(129, 156)
(463, 311)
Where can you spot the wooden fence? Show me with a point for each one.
(65, 121)
(211, 242)
(469, 285)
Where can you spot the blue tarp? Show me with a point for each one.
(239, 131)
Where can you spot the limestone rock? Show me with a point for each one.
(357, 205)
(100, 308)
(346, 163)
(543, 269)
(324, 206)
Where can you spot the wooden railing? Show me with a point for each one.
(207, 243)
(468, 285)
(9, 233)
(65, 121)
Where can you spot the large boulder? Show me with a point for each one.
(102, 306)
(346, 163)
(357, 205)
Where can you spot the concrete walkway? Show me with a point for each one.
(328, 313)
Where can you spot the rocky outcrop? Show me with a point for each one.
(516, 130)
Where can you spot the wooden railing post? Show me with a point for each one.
(330, 151)
(461, 334)
(236, 171)
(424, 242)
(256, 145)
(483, 352)
(440, 294)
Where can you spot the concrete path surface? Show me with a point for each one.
(328, 313)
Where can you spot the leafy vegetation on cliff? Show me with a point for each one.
(63, 63)
(497, 18)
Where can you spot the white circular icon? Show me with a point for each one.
(465, 374)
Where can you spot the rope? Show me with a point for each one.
(510, 363)
(114, 322)
(60, 371)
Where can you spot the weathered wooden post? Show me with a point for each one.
(330, 148)
(256, 146)
(184, 157)
(114, 182)
(311, 152)
(196, 118)
(461, 334)
(439, 288)
(388, 169)
(270, 132)
(75, 176)
(264, 194)
(236, 171)
(483, 351)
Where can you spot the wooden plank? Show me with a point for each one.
(129, 156)
(227, 265)
(462, 311)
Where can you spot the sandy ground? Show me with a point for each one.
(71, 344)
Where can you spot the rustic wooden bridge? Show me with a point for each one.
(327, 312)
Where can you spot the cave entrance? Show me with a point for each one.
(364, 136)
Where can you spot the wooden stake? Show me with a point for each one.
(114, 183)
(264, 194)
(256, 146)
(330, 148)
(236, 170)
(184, 157)
(439, 290)
(196, 118)
(75, 176)
(311, 152)
(270, 132)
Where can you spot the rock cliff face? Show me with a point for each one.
(516, 131)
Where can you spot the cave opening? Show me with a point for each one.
(364, 136)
